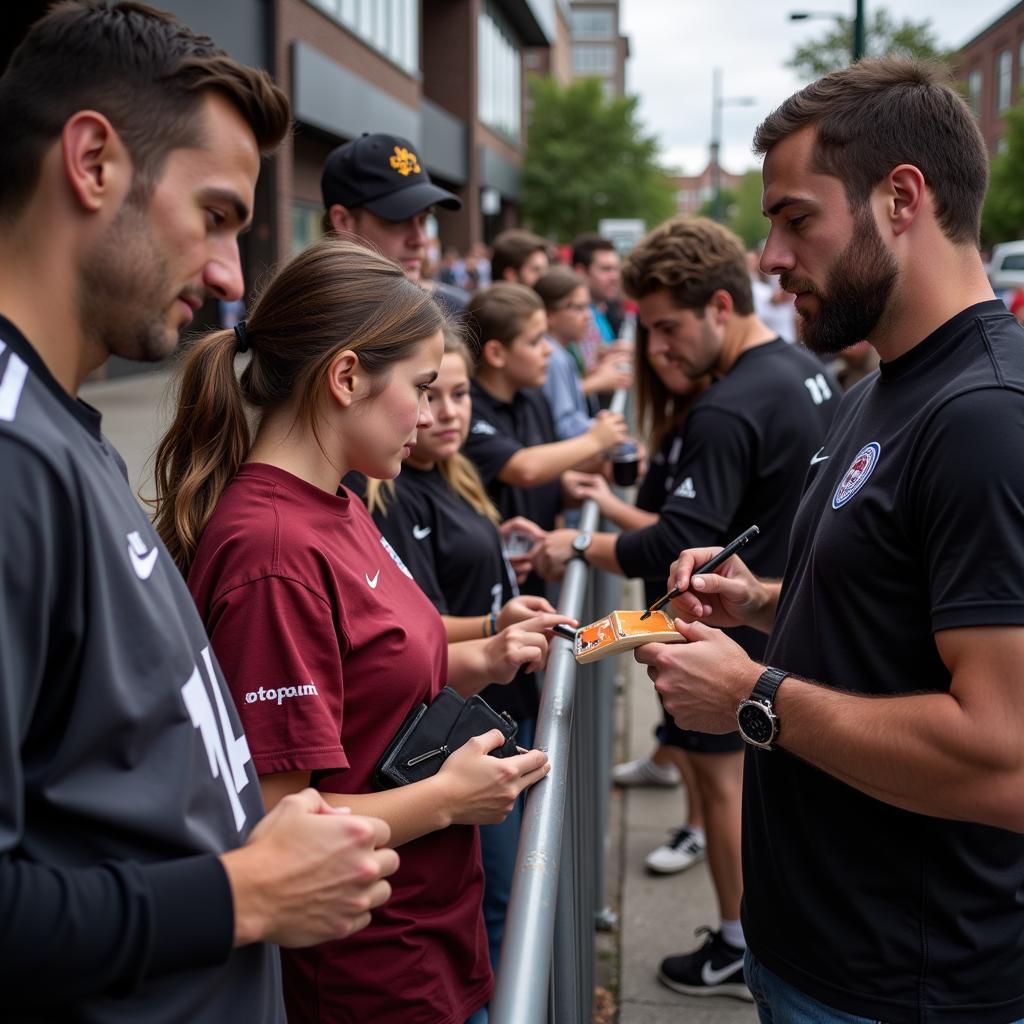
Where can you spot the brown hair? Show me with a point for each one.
(511, 249)
(458, 472)
(659, 411)
(691, 257)
(142, 69)
(586, 246)
(556, 285)
(333, 296)
(500, 312)
(876, 114)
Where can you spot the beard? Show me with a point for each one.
(125, 290)
(856, 295)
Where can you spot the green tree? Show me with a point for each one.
(1002, 218)
(587, 158)
(741, 209)
(884, 36)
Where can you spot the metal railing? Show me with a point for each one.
(547, 963)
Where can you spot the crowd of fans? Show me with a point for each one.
(232, 788)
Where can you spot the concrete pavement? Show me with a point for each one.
(657, 914)
(136, 411)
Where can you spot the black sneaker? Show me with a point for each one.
(716, 969)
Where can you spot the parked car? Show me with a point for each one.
(1006, 269)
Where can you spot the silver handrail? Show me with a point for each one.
(544, 900)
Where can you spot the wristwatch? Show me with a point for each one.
(580, 543)
(759, 725)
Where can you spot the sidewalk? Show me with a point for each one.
(657, 914)
(136, 411)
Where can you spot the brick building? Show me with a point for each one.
(694, 190)
(991, 70)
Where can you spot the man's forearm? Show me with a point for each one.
(601, 553)
(469, 669)
(921, 752)
(70, 933)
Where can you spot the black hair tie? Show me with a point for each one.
(241, 342)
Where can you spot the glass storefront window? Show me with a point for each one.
(500, 76)
(391, 27)
(1004, 79)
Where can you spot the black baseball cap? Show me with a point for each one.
(382, 174)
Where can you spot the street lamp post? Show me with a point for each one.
(858, 32)
(858, 43)
(717, 102)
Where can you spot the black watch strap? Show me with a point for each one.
(768, 683)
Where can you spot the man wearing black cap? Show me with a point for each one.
(376, 188)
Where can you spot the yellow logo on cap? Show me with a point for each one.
(405, 161)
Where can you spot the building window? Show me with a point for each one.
(391, 27)
(500, 76)
(609, 88)
(974, 91)
(1002, 147)
(593, 24)
(593, 60)
(307, 224)
(1004, 81)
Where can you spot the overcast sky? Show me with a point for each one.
(675, 44)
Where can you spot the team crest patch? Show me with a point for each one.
(404, 161)
(857, 475)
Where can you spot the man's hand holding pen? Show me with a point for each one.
(703, 680)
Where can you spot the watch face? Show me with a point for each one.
(581, 542)
(755, 723)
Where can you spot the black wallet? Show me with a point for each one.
(432, 731)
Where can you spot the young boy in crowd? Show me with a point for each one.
(512, 438)
(519, 257)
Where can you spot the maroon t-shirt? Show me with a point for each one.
(327, 643)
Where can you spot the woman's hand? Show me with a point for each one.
(523, 607)
(522, 563)
(523, 645)
(482, 790)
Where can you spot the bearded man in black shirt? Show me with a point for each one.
(884, 781)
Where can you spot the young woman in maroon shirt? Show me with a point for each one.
(323, 636)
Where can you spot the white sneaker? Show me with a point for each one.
(682, 851)
(644, 772)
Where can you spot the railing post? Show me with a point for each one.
(546, 902)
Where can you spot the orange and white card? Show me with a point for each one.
(622, 631)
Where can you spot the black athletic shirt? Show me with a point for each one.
(741, 460)
(456, 557)
(913, 522)
(125, 771)
(654, 490)
(497, 431)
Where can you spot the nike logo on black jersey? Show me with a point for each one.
(419, 532)
(143, 558)
(482, 427)
(372, 582)
(818, 457)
